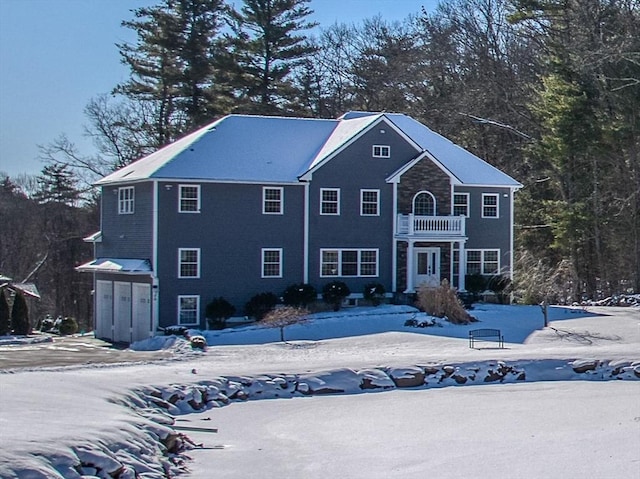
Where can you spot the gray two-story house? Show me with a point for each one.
(251, 204)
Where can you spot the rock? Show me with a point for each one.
(583, 365)
(375, 379)
(459, 378)
(407, 377)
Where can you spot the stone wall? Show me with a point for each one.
(424, 176)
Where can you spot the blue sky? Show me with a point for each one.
(55, 55)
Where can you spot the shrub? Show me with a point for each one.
(300, 294)
(68, 326)
(475, 284)
(218, 311)
(501, 286)
(442, 302)
(334, 293)
(374, 292)
(260, 304)
(5, 323)
(283, 317)
(20, 315)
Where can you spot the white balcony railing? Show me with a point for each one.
(431, 226)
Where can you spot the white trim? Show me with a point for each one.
(453, 203)
(396, 175)
(126, 206)
(511, 219)
(188, 296)
(197, 198)
(180, 262)
(263, 264)
(497, 205)
(381, 151)
(337, 190)
(362, 203)
(394, 255)
(155, 300)
(483, 260)
(435, 204)
(359, 262)
(280, 201)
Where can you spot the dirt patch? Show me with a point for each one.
(69, 351)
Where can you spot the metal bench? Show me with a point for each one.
(485, 335)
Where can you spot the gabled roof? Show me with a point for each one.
(260, 149)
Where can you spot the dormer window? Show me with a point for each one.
(381, 151)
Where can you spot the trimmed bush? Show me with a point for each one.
(260, 304)
(300, 294)
(68, 326)
(217, 312)
(475, 284)
(5, 322)
(501, 286)
(20, 315)
(442, 302)
(334, 293)
(374, 293)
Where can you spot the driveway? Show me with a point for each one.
(55, 351)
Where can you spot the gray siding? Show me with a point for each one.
(230, 231)
(489, 233)
(127, 235)
(351, 170)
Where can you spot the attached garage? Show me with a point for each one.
(123, 301)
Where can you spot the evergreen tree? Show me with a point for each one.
(20, 315)
(57, 185)
(266, 46)
(5, 323)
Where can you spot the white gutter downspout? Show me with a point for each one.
(155, 300)
(394, 253)
(512, 193)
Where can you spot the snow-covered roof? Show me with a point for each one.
(116, 265)
(261, 149)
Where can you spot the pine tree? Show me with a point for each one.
(57, 185)
(5, 323)
(266, 46)
(20, 315)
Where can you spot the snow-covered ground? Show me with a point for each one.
(109, 420)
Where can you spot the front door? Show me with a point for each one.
(427, 266)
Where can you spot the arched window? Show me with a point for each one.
(424, 204)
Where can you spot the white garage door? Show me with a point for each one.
(104, 310)
(122, 312)
(141, 311)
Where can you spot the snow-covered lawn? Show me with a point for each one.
(64, 420)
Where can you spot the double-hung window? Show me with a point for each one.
(349, 262)
(272, 262)
(381, 151)
(188, 309)
(272, 200)
(461, 204)
(483, 261)
(126, 198)
(490, 205)
(369, 202)
(329, 201)
(189, 263)
(189, 201)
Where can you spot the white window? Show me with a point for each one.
(461, 204)
(424, 204)
(329, 201)
(370, 202)
(189, 263)
(272, 262)
(189, 201)
(272, 201)
(483, 261)
(490, 205)
(381, 151)
(126, 200)
(188, 309)
(349, 262)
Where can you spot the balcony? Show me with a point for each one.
(436, 227)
